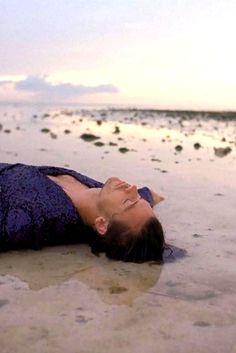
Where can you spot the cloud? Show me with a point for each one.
(42, 89)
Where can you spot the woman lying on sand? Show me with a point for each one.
(41, 206)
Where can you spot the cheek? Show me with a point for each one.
(114, 200)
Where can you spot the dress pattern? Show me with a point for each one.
(35, 211)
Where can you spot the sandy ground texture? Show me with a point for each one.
(64, 299)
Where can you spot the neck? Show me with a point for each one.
(86, 205)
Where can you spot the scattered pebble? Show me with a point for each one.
(53, 135)
(7, 131)
(112, 144)
(117, 130)
(99, 143)
(45, 130)
(99, 122)
(222, 151)
(89, 137)
(197, 145)
(197, 235)
(0, 127)
(67, 131)
(123, 149)
(155, 160)
(178, 148)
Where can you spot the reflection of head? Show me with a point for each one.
(122, 243)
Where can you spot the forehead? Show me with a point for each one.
(137, 215)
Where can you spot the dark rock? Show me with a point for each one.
(89, 137)
(178, 148)
(7, 131)
(99, 143)
(67, 131)
(197, 145)
(45, 130)
(197, 235)
(0, 127)
(117, 130)
(123, 149)
(155, 160)
(99, 122)
(112, 144)
(222, 151)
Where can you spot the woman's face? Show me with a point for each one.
(120, 201)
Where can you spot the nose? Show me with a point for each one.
(132, 190)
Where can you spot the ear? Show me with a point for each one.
(101, 225)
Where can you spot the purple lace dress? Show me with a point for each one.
(35, 211)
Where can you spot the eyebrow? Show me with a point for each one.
(130, 206)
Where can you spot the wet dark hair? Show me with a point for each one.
(121, 243)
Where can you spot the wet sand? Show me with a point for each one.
(66, 299)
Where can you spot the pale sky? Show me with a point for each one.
(168, 54)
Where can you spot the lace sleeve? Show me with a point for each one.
(145, 193)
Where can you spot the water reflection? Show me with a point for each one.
(115, 282)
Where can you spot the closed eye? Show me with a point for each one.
(127, 202)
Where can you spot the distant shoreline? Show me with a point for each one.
(183, 113)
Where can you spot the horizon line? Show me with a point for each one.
(123, 106)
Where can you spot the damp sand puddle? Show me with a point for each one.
(115, 282)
